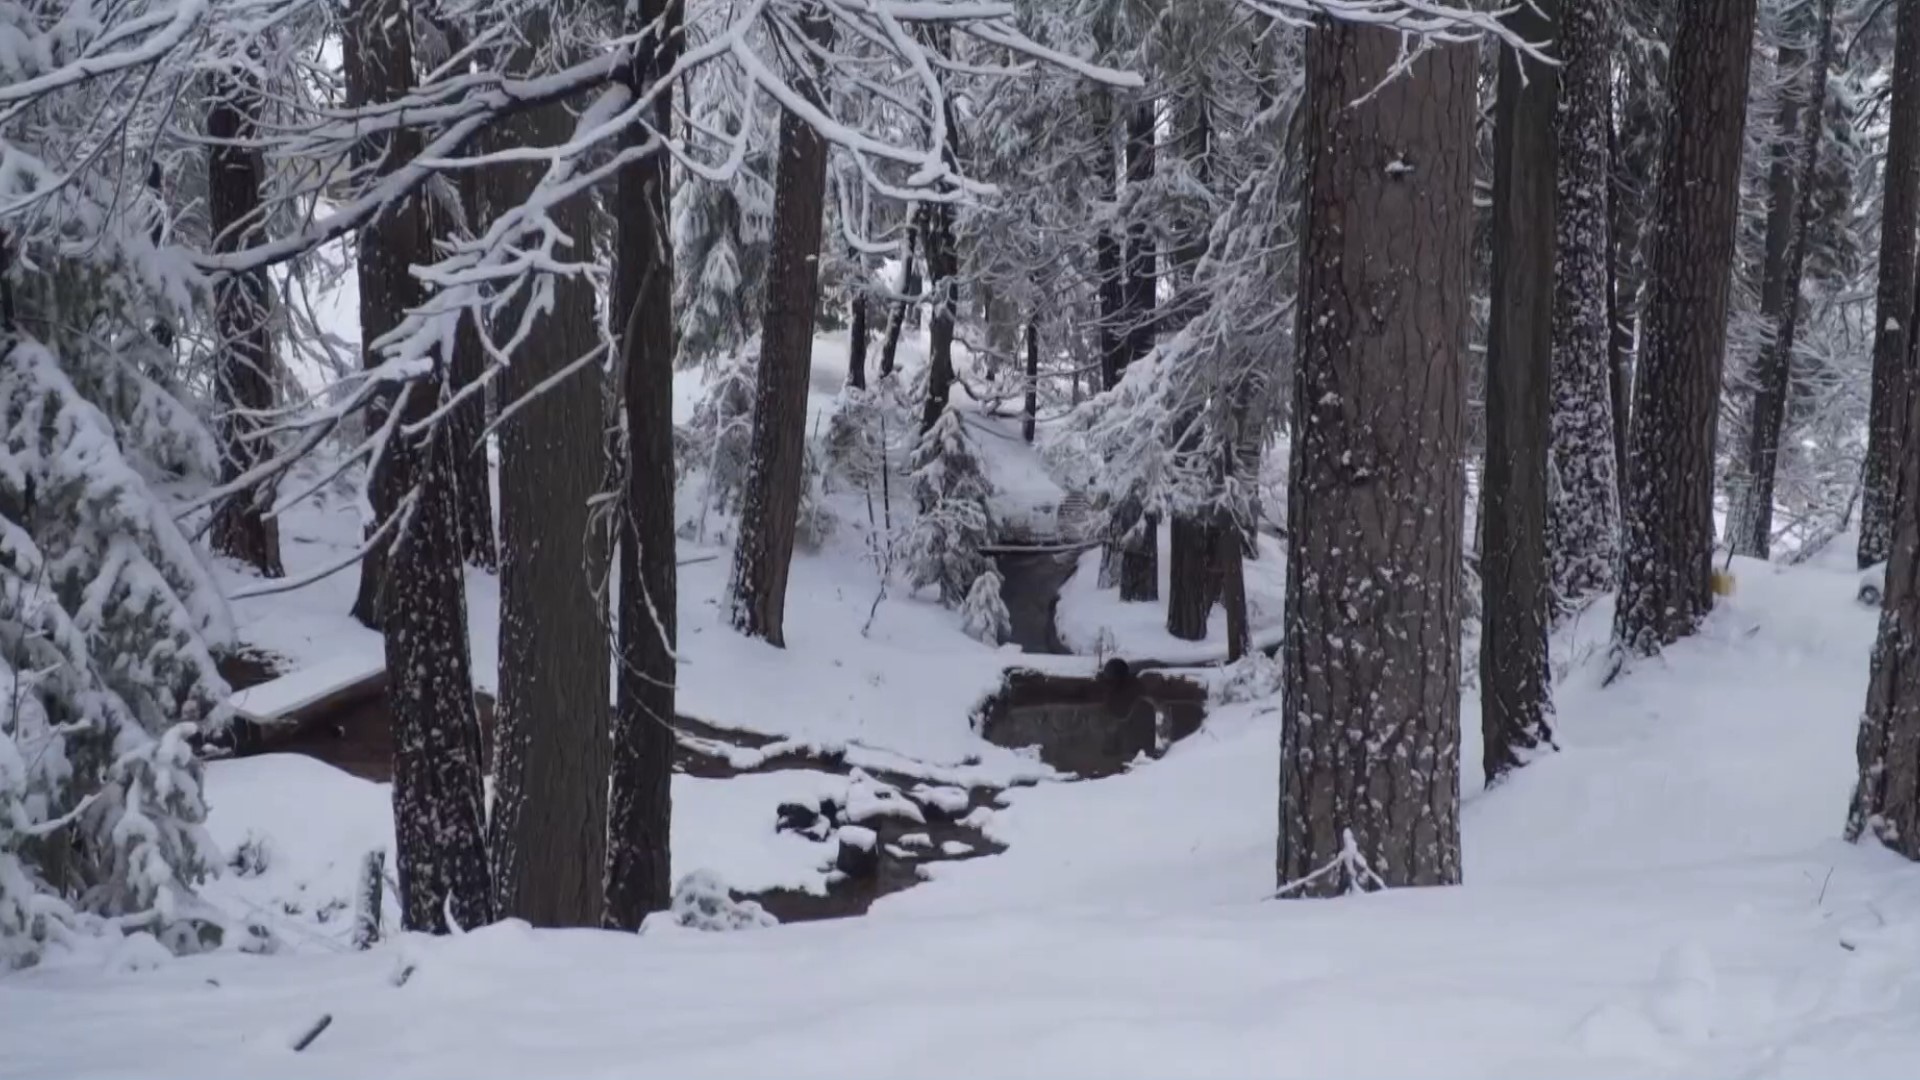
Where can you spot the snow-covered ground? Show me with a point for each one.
(1666, 896)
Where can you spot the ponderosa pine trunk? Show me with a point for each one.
(549, 824)
(438, 815)
(1583, 491)
(1886, 793)
(1516, 691)
(857, 332)
(1030, 408)
(897, 319)
(244, 376)
(1894, 299)
(1789, 217)
(770, 505)
(1194, 571)
(1140, 556)
(1665, 588)
(942, 285)
(1372, 654)
(639, 875)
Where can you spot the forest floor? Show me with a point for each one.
(1665, 896)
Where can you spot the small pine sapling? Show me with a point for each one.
(984, 615)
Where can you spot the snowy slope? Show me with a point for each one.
(1664, 897)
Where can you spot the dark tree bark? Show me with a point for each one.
(437, 807)
(1229, 555)
(857, 334)
(1668, 506)
(1140, 556)
(243, 379)
(1516, 692)
(1583, 493)
(770, 507)
(549, 824)
(1622, 304)
(1194, 571)
(1371, 699)
(639, 877)
(1886, 794)
(898, 319)
(1030, 411)
(1894, 299)
(468, 421)
(942, 283)
(1789, 216)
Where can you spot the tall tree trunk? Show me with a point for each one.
(1789, 217)
(1622, 297)
(942, 283)
(1376, 503)
(1516, 691)
(1893, 301)
(1229, 556)
(770, 507)
(1140, 557)
(857, 333)
(438, 816)
(474, 487)
(898, 319)
(639, 875)
(1030, 411)
(550, 762)
(1582, 513)
(1668, 511)
(243, 380)
(1194, 571)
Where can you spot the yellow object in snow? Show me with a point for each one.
(1722, 583)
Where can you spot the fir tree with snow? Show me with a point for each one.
(942, 548)
(983, 616)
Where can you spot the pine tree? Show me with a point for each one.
(547, 834)
(942, 549)
(1516, 694)
(1894, 299)
(1790, 212)
(639, 871)
(1583, 487)
(770, 507)
(1668, 504)
(1377, 491)
(983, 615)
(244, 379)
(417, 592)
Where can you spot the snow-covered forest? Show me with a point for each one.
(940, 537)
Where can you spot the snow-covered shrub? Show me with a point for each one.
(984, 615)
(719, 437)
(105, 618)
(702, 901)
(949, 490)
(722, 237)
(1253, 677)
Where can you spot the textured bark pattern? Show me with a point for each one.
(421, 604)
(1789, 218)
(1886, 795)
(1583, 492)
(1231, 559)
(1140, 560)
(1894, 299)
(1030, 409)
(770, 507)
(377, 57)
(1371, 701)
(639, 877)
(890, 348)
(1191, 581)
(548, 838)
(857, 336)
(1668, 507)
(469, 419)
(1516, 694)
(943, 283)
(438, 812)
(243, 379)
